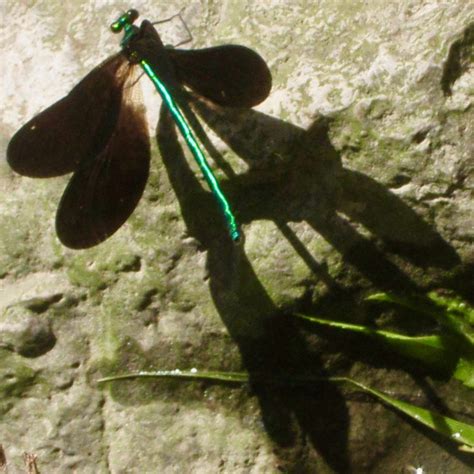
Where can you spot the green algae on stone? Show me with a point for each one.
(80, 275)
(16, 377)
(98, 268)
(14, 247)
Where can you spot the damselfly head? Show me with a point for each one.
(125, 20)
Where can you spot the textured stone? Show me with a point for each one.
(355, 175)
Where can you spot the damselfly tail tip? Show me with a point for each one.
(237, 237)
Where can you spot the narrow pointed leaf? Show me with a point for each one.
(457, 431)
(430, 350)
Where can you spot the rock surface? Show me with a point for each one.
(356, 175)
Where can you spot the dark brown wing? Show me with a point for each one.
(55, 141)
(229, 75)
(105, 189)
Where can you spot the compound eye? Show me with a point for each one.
(124, 21)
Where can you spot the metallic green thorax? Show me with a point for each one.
(125, 23)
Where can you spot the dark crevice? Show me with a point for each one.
(459, 57)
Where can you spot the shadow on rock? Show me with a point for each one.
(296, 175)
